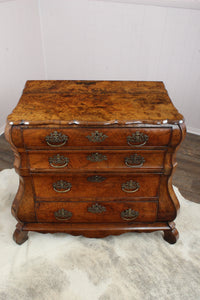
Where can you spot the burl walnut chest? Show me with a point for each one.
(95, 158)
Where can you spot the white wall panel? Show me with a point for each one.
(21, 56)
(86, 39)
(191, 4)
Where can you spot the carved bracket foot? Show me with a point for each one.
(171, 235)
(20, 236)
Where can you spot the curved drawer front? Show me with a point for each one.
(145, 211)
(90, 160)
(102, 185)
(62, 138)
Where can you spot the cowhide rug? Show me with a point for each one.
(127, 267)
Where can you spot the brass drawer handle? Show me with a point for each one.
(58, 161)
(97, 137)
(96, 178)
(130, 186)
(62, 186)
(129, 214)
(96, 157)
(96, 208)
(56, 139)
(63, 214)
(137, 139)
(134, 161)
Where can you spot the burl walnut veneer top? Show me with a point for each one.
(94, 102)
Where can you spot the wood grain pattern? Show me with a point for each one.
(186, 177)
(111, 186)
(81, 160)
(97, 231)
(92, 87)
(95, 105)
(35, 138)
(93, 102)
(147, 211)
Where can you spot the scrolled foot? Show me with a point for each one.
(171, 235)
(20, 236)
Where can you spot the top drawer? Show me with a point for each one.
(62, 138)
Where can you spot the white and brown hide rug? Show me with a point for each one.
(127, 267)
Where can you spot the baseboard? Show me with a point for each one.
(193, 130)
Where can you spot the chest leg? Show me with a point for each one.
(19, 235)
(171, 235)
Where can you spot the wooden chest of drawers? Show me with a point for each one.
(95, 158)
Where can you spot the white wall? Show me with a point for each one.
(87, 39)
(191, 4)
(21, 55)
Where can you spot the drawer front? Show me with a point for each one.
(145, 211)
(102, 185)
(62, 138)
(90, 160)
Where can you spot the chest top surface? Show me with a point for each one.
(94, 102)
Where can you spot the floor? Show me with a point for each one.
(186, 177)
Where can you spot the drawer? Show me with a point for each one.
(62, 138)
(96, 211)
(102, 185)
(101, 160)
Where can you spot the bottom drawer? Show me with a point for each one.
(113, 211)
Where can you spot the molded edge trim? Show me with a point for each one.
(93, 227)
(189, 130)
